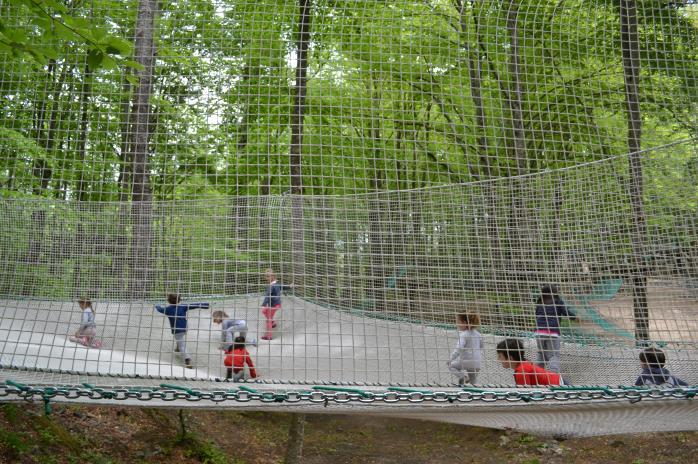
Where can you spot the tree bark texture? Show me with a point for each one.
(630, 47)
(141, 212)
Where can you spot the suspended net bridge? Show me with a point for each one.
(473, 212)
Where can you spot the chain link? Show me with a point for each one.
(338, 396)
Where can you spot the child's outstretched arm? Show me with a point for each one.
(189, 306)
(160, 309)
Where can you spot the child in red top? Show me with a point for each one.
(235, 361)
(511, 354)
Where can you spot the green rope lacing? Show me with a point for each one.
(338, 394)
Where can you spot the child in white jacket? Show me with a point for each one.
(466, 359)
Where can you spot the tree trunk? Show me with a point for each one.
(47, 136)
(517, 151)
(40, 112)
(631, 73)
(515, 95)
(84, 123)
(243, 131)
(296, 149)
(296, 433)
(475, 73)
(240, 225)
(376, 208)
(141, 213)
(119, 243)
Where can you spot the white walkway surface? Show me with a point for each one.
(311, 344)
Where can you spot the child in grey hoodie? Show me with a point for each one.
(466, 358)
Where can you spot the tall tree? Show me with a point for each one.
(475, 74)
(141, 212)
(631, 73)
(296, 148)
(518, 247)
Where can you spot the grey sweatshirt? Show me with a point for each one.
(468, 351)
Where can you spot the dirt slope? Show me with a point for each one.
(117, 435)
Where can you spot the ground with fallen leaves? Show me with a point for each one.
(81, 434)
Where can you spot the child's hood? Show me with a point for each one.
(659, 374)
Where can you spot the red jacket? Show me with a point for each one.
(237, 359)
(528, 374)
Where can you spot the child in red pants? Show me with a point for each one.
(271, 303)
(235, 361)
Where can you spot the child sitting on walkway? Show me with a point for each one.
(86, 333)
(235, 361)
(510, 353)
(653, 373)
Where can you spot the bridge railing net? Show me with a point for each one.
(381, 279)
(395, 163)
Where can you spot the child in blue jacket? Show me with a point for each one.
(654, 373)
(177, 315)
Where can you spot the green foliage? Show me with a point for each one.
(390, 92)
(55, 24)
(52, 433)
(390, 106)
(14, 443)
(204, 451)
(10, 412)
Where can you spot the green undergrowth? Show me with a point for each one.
(43, 439)
(202, 450)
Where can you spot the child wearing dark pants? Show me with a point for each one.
(235, 361)
(176, 313)
(549, 309)
(510, 353)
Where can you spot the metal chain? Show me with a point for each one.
(317, 396)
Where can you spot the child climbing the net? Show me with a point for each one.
(236, 358)
(466, 358)
(86, 333)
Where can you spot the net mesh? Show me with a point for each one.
(395, 162)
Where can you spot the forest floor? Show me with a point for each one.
(81, 434)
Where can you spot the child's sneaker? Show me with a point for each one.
(252, 342)
(188, 364)
(266, 337)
